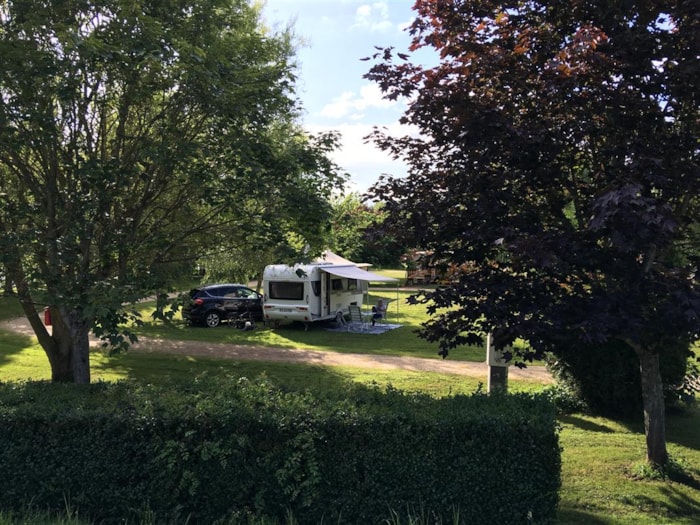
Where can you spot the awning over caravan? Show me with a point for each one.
(333, 258)
(353, 272)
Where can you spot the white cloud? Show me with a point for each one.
(372, 97)
(363, 160)
(352, 104)
(373, 17)
(340, 106)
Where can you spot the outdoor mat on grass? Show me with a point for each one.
(378, 328)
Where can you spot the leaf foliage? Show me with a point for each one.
(556, 169)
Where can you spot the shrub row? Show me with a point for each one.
(226, 450)
(605, 377)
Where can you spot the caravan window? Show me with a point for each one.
(337, 285)
(352, 284)
(286, 290)
(316, 287)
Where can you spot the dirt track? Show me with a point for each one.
(296, 355)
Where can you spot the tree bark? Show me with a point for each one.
(70, 356)
(654, 409)
(58, 350)
(80, 356)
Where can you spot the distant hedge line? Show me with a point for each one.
(237, 450)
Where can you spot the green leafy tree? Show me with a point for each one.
(380, 246)
(357, 233)
(351, 217)
(282, 210)
(558, 163)
(125, 128)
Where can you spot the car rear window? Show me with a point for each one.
(215, 291)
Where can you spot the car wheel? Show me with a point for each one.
(212, 319)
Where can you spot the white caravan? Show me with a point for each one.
(313, 292)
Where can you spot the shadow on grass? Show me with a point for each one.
(683, 427)
(682, 424)
(681, 502)
(583, 424)
(11, 343)
(687, 479)
(575, 517)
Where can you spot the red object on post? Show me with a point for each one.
(47, 316)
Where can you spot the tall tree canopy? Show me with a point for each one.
(558, 166)
(357, 233)
(127, 129)
(351, 217)
(280, 213)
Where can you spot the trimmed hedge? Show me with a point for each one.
(221, 450)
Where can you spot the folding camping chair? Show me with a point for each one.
(379, 314)
(357, 321)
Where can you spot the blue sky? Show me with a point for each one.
(336, 34)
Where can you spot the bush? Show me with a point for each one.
(215, 449)
(565, 398)
(606, 379)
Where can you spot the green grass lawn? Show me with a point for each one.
(599, 456)
(600, 459)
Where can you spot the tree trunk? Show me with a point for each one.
(58, 350)
(70, 353)
(654, 410)
(67, 346)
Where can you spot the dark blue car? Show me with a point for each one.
(211, 304)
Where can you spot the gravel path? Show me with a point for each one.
(314, 357)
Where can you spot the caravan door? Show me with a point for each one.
(325, 294)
